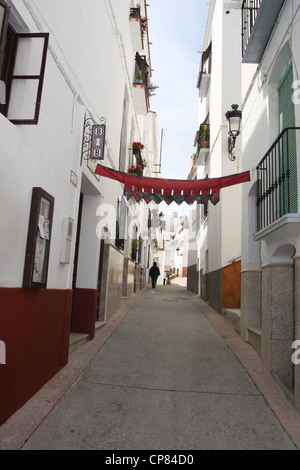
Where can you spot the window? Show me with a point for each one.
(22, 67)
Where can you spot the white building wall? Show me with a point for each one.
(224, 244)
(45, 157)
(89, 74)
(260, 114)
(270, 303)
(87, 70)
(231, 94)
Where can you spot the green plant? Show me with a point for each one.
(139, 76)
(152, 88)
(134, 248)
(204, 133)
(144, 25)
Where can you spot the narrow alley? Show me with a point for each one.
(166, 372)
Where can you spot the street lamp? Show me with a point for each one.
(234, 118)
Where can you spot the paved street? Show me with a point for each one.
(167, 372)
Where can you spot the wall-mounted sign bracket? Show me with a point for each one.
(93, 142)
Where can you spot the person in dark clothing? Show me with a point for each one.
(154, 273)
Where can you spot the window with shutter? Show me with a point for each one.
(22, 68)
(26, 82)
(289, 189)
(4, 13)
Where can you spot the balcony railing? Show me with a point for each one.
(277, 193)
(258, 20)
(135, 12)
(249, 13)
(141, 70)
(138, 28)
(205, 72)
(141, 83)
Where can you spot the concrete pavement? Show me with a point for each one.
(167, 372)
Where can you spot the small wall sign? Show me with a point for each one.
(73, 178)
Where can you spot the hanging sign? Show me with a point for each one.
(98, 142)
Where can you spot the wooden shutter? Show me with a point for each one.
(4, 13)
(289, 196)
(27, 78)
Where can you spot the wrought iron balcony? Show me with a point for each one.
(135, 12)
(258, 20)
(202, 143)
(136, 28)
(205, 73)
(277, 193)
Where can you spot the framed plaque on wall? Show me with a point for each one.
(38, 240)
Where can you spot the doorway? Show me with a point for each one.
(86, 261)
(75, 269)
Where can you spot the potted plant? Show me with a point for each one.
(139, 77)
(137, 147)
(204, 136)
(136, 170)
(144, 25)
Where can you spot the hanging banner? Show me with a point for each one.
(158, 189)
(158, 198)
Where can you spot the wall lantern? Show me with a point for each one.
(234, 118)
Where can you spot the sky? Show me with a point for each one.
(176, 33)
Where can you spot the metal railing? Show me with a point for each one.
(250, 10)
(277, 189)
(203, 136)
(141, 70)
(135, 12)
(141, 75)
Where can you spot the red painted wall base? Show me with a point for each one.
(35, 327)
(84, 312)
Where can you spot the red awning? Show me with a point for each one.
(140, 186)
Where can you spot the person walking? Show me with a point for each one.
(154, 273)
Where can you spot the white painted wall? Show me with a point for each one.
(260, 115)
(221, 235)
(90, 62)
